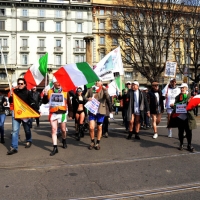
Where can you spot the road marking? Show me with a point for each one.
(143, 193)
(111, 162)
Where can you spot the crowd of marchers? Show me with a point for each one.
(140, 109)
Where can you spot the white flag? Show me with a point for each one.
(111, 63)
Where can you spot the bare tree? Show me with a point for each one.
(190, 57)
(146, 31)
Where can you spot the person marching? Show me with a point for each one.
(57, 112)
(184, 121)
(100, 94)
(155, 100)
(3, 103)
(137, 103)
(78, 102)
(25, 95)
(170, 94)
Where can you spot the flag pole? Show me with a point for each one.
(6, 70)
(46, 74)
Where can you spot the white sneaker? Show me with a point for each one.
(155, 135)
(170, 133)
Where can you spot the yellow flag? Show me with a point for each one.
(22, 110)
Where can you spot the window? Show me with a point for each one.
(102, 54)
(58, 60)
(176, 30)
(3, 76)
(58, 26)
(101, 12)
(24, 59)
(178, 58)
(41, 43)
(24, 25)
(114, 41)
(178, 76)
(79, 44)
(2, 12)
(41, 13)
(101, 24)
(5, 59)
(40, 55)
(44, 1)
(188, 59)
(128, 56)
(79, 15)
(128, 41)
(79, 27)
(2, 25)
(177, 45)
(115, 24)
(24, 42)
(128, 75)
(102, 40)
(58, 13)
(114, 12)
(127, 26)
(58, 43)
(41, 26)
(3, 42)
(25, 13)
(79, 58)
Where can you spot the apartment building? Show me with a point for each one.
(31, 28)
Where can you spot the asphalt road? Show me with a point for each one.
(121, 169)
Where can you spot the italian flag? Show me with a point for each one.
(37, 72)
(75, 75)
(195, 101)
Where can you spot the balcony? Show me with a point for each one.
(58, 50)
(5, 48)
(79, 50)
(41, 49)
(24, 49)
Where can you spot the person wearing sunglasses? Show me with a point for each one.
(156, 105)
(25, 95)
(78, 102)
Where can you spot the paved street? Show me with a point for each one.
(148, 168)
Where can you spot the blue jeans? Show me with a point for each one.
(15, 131)
(2, 120)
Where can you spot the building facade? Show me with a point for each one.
(31, 28)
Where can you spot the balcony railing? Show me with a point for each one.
(24, 49)
(58, 49)
(79, 50)
(5, 48)
(41, 49)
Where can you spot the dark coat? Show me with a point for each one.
(173, 123)
(153, 104)
(37, 98)
(2, 107)
(142, 103)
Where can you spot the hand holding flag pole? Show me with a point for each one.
(6, 70)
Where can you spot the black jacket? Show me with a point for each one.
(25, 96)
(37, 98)
(2, 100)
(153, 104)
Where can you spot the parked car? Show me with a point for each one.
(7, 108)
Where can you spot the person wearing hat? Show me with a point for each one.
(57, 113)
(155, 100)
(170, 94)
(137, 103)
(185, 120)
(36, 96)
(128, 85)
